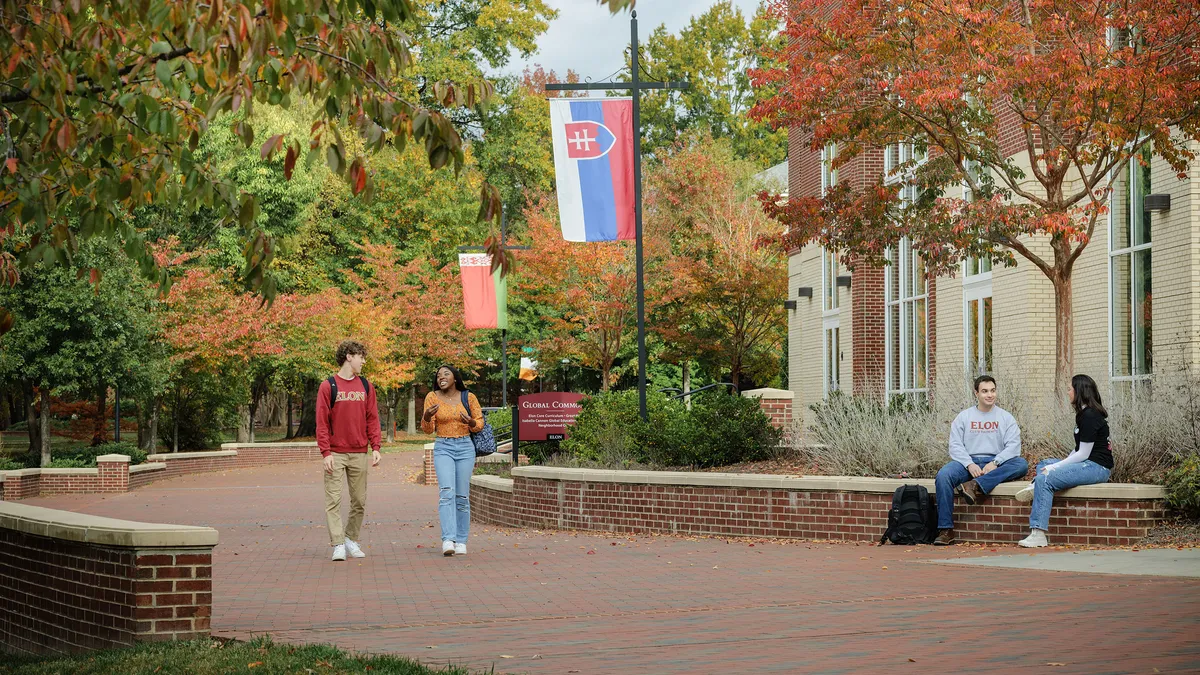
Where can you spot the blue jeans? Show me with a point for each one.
(1086, 472)
(454, 462)
(954, 474)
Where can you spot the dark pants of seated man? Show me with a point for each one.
(954, 474)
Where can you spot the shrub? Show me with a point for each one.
(1183, 487)
(719, 429)
(9, 464)
(84, 456)
(859, 436)
(69, 463)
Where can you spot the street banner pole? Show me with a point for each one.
(635, 86)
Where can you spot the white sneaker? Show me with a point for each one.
(447, 548)
(353, 549)
(339, 552)
(1025, 494)
(1036, 539)
(460, 549)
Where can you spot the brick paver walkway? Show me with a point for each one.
(554, 602)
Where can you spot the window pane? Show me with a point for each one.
(985, 265)
(894, 344)
(1121, 315)
(917, 267)
(919, 347)
(1139, 214)
(835, 360)
(973, 337)
(1120, 213)
(986, 330)
(1143, 342)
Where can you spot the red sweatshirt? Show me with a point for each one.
(354, 421)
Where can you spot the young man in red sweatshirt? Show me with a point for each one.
(346, 426)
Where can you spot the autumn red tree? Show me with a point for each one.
(423, 325)
(721, 289)
(1037, 106)
(586, 292)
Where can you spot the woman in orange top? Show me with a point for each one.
(453, 454)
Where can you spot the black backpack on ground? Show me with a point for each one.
(333, 389)
(912, 518)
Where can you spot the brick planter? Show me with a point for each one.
(776, 403)
(775, 506)
(113, 474)
(72, 582)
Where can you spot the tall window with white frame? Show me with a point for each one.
(1129, 246)
(906, 321)
(831, 347)
(977, 309)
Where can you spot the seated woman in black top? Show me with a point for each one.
(1091, 463)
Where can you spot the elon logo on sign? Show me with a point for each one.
(588, 140)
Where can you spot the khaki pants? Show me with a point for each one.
(354, 466)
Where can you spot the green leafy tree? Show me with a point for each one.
(104, 106)
(713, 53)
(78, 336)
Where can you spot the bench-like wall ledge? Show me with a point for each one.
(811, 483)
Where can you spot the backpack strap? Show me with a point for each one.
(466, 404)
(332, 392)
(366, 385)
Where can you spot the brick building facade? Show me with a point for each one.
(1136, 297)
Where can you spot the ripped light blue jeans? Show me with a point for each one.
(454, 462)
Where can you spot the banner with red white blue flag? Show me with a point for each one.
(593, 167)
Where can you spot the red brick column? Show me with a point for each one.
(114, 473)
(430, 473)
(776, 403)
(173, 594)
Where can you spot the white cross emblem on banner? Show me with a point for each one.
(584, 143)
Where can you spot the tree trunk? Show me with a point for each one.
(390, 417)
(141, 424)
(45, 425)
(98, 435)
(308, 413)
(5, 420)
(411, 425)
(290, 429)
(31, 420)
(151, 444)
(687, 384)
(1064, 336)
(244, 425)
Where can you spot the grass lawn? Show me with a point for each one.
(214, 656)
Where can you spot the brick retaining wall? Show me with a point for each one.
(72, 582)
(774, 506)
(113, 473)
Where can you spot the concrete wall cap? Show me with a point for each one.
(90, 529)
(148, 466)
(18, 473)
(783, 394)
(492, 483)
(167, 456)
(811, 483)
(277, 444)
(429, 446)
(113, 458)
(82, 471)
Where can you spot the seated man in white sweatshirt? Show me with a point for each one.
(985, 450)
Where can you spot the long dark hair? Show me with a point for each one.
(458, 381)
(1087, 394)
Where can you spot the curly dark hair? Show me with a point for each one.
(348, 347)
(459, 385)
